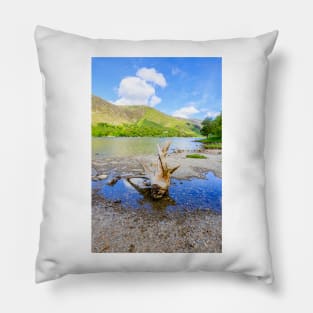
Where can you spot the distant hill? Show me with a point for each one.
(138, 120)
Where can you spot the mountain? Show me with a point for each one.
(138, 120)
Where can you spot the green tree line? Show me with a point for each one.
(212, 128)
(134, 130)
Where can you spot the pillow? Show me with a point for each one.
(155, 155)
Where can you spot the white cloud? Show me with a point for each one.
(138, 90)
(212, 114)
(134, 90)
(175, 71)
(151, 75)
(186, 112)
(154, 100)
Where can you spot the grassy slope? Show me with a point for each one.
(142, 116)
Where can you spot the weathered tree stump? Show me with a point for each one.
(160, 173)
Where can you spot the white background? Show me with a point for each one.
(289, 155)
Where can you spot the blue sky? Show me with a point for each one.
(189, 87)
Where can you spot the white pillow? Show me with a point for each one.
(66, 232)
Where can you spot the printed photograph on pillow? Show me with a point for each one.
(156, 127)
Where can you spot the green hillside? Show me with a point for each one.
(138, 120)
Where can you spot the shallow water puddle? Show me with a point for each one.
(184, 195)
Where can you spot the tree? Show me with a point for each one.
(212, 126)
(206, 128)
(217, 126)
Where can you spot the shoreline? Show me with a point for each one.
(117, 228)
(189, 167)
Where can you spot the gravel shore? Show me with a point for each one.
(115, 229)
(188, 167)
(118, 229)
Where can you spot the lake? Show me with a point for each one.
(184, 194)
(133, 146)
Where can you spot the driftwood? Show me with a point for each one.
(145, 191)
(158, 173)
(114, 180)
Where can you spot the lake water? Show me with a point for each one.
(184, 195)
(132, 146)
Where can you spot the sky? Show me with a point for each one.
(188, 87)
